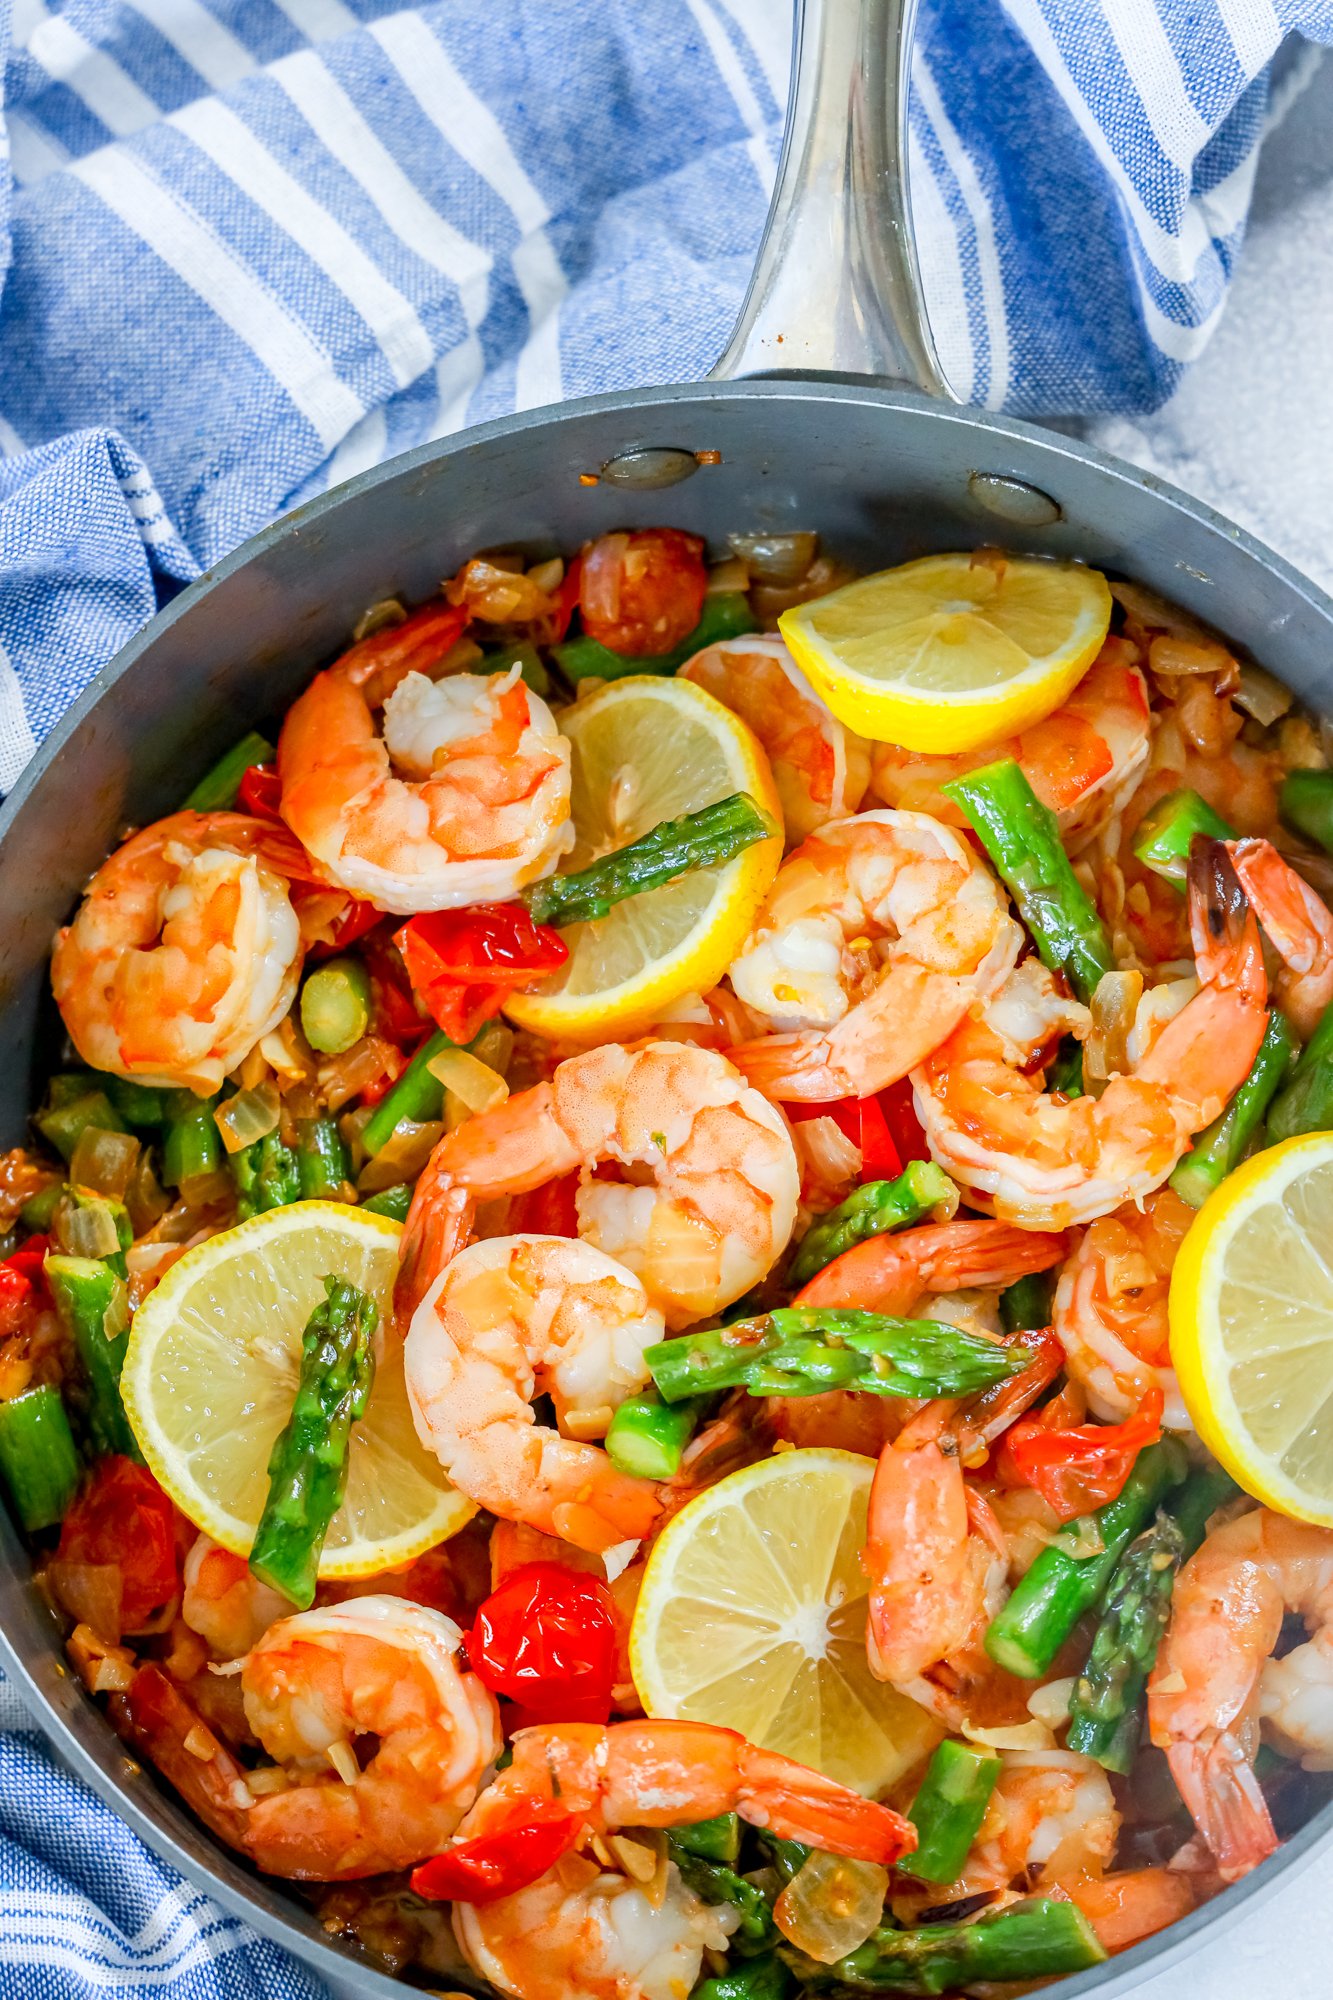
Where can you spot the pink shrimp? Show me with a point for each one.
(1299, 925)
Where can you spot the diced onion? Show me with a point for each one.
(1261, 694)
(494, 1046)
(729, 576)
(402, 1156)
(777, 558)
(829, 1160)
(1113, 1008)
(1154, 613)
(90, 1593)
(384, 612)
(85, 1232)
(1032, 1735)
(103, 1668)
(474, 1083)
(1169, 657)
(548, 576)
(366, 1062)
(831, 1905)
(250, 1115)
(104, 1162)
(1050, 1704)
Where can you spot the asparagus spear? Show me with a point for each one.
(1223, 1145)
(307, 1468)
(788, 1856)
(669, 850)
(716, 1839)
(948, 1810)
(191, 1145)
(417, 1095)
(1305, 1101)
(37, 1457)
(758, 1979)
(63, 1123)
(1025, 1306)
(1022, 838)
(1066, 1072)
(217, 789)
(799, 1351)
(1166, 834)
(1036, 1939)
(266, 1176)
(648, 1437)
(391, 1201)
(335, 1005)
(91, 1300)
(716, 1882)
(725, 614)
(322, 1164)
(1047, 1603)
(1306, 803)
(139, 1104)
(1106, 1707)
(874, 1209)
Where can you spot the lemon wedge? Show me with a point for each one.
(211, 1369)
(647, 749)
(752, 1615)
(1251, 1313)
(951, 652)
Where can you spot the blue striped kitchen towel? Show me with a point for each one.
(250, 246)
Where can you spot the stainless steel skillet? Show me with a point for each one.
(883, 472)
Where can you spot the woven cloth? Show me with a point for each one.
(248, 247)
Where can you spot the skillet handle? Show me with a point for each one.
(836, 287)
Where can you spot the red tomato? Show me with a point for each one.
(863, 1121)
(463, 964)
(548, 1210)
(500, 1863)
(1082, 1468)
(568, 600)
(546, 1638)
(260, 792)
(642, 594)
(123, 1519)
(905, 1128)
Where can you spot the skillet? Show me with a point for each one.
(827, 411)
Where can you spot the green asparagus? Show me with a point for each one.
(37, 1457)
(1022, 838)
(788, 1856)
(137, 1103)
(217, 790)
(1306, 803)
(322, 1164)
(63, 1123)
(1305, 1101)
(716, 1882)
(1066, 1072)
(523, 655)
(1037, 1939)
(798, 1351)
(1166, 833)
(307, 1468)
(716, 1839)
(266, 1176)
(648, 1437)
(1223, 1145)
(874, 1209)
(391, 1201)
(672, 848)
(757, 1979)
(417, 1095)
(335, 1005)
(1025, 1306)
(38, 1210)
(93, 1306)
(1047, 1603)
(1106, 1706)
(725, 615)
(191, 1144)
(949, 1808)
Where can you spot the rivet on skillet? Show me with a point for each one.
(1014, 500)
(650, 467)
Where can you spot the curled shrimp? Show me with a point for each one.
(711, 1181)
(820, 767)
(460, 796)
(519, 1316)
(1299, 925)
(319, 1683)
(1215, 1681)
(1110, 1308)
(936, 1560)
(878, 935)
(185, 951)
(1047, 1161)
(225, 1602)
(1083, 761)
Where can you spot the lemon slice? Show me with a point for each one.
(647, 749)
(752, 1615)
(946, 654)
(1251, 1314)
(211, 1369)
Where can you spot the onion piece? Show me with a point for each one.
(250, 1115)
(85, 1232)
(1050, 1704)
(103, 1668)
(548, 576)
(384, 612)
(1261, 694)
(144, 1197)
(777, 558)
(367, 1061)
(828, 1159)
(402, 1156)
(831, 1905)
(731, 575)
(1113, 1007)
(1170, 657)
(475, 1084)
(90, 1593)
(1032, 1735)
(104, 1162)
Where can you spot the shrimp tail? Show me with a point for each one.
(1217, 1782)
(799, 1804)
(1220, 917)
(439, 1224)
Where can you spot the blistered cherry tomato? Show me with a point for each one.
(546, 1639)
(123, 1519)
(1084, 1467)
(500, 1863)
(640, 595)
(260, 791)
(549, 1210)
(464, 964)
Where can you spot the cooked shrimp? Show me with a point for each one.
(1110, 1308)
(522, 1316)
(1215, 1680)
(185, 951)
(935, 1558)
(711, 1181)
(820, 767)
(1047, 1161)
(890, 1274)
(375, 1667)
(1051, 1822)
(878, 935)
(1083, 761)
(225, 1602)
(461, 795)
(1299, 925)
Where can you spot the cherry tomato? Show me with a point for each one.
(905, 1128)
(642, 594)
(27, 1266)
(463, 964)
(548, 1210)
(260, 792)
(124, 1519)
(546, 1638)
(356, 920)
(568, 601)
(500, 1863)
(1085, 1467)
